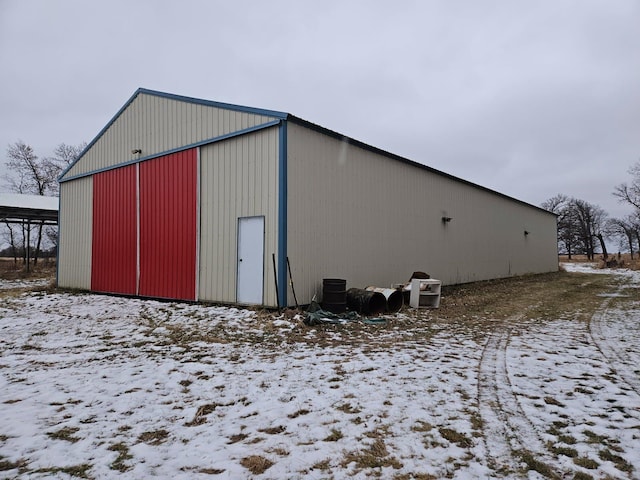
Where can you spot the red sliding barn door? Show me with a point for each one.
(114, 257)
(168, 189)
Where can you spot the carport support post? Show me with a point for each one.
(28, 243)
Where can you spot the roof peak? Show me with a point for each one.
(209, 103)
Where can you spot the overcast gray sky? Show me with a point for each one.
(529, 98)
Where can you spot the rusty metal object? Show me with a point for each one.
(366, 302)
(334, 295)
(393, 296)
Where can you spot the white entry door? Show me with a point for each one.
(250, 260)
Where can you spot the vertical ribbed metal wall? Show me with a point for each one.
(239, 178)
(168, 191)
(350, 212)
(76, 219)
(114, 251)
(373, 220)
(144, 228)
(156, 124)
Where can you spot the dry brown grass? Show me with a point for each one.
(456, 437)
(273, 430)
(574, 258)
(237, 438)
(549, 295)
(210, 471)
(536, 465)
(415, 476)
(374, 457)
(154, 437)
(200, 416)
(624, 260)
(296, 414)
(334, 436)
(74, 471)
(10, 270)
(9, 465)
(256, 464)
(65, 433)
(123, 455)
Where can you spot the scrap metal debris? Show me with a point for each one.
(315, 315)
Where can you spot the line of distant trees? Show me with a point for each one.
(30, 175)
(583, 226)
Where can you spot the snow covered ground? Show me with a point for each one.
(105, 387)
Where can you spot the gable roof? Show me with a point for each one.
(179, 98)
(279, 116)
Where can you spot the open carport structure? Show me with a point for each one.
(28, 210)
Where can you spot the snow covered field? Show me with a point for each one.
(105, 387)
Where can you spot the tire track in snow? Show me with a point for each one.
(506, 427)
(622, 367)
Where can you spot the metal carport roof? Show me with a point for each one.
(28, 209)
(18, 208)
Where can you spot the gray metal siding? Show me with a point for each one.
(238, 178)
(157, 124)
(76, 220)
(373, 220)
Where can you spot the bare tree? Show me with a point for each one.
(556, 204)
(630, 193)
(626, 229)
(633, 222)
(63, 156)
(10, 235)
(580, 223)
(27, 174)
(568, 231)
(591, 222)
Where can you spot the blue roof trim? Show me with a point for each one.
(282, 215)
(180, 98)
(209, 141)
(58, 246)
(97, 137)
(210, 103)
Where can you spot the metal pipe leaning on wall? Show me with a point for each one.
(393, 297)
(366, 302)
